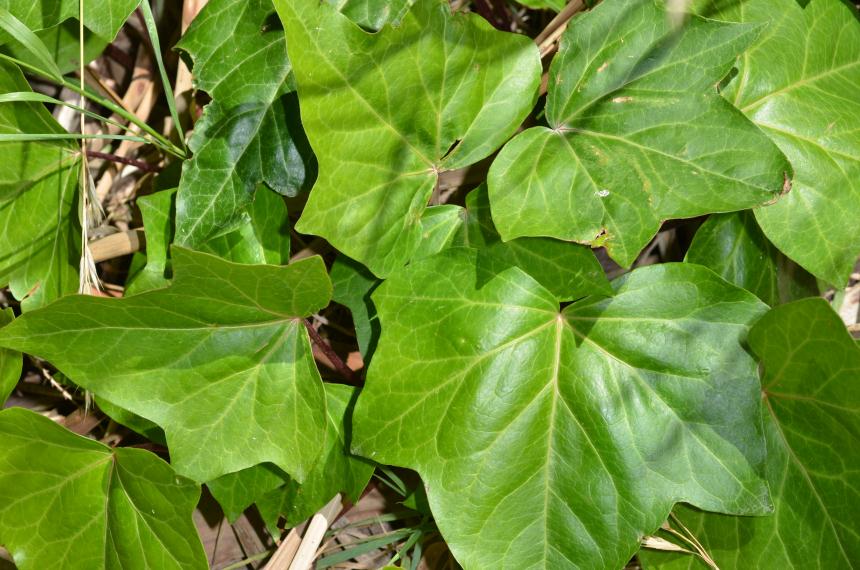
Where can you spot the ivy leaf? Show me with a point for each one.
(811, 414)
(733, 246)
(237, 491)
(372, 14)
(216, 360)
(336, 472)
(250, 133)
(637, 134)
(118, 508)
(799, 85)
(10, 362)
(569, 271)
(263, 237)
(39, 243)
(157, 211)
(103, 17)
(352, 285)
(276, 494)
(386, 112)
(550, 439)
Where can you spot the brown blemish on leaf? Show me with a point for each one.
(602, 67)
(622, 99)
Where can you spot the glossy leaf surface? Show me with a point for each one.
(386, 112)
(637, 134)
(733, 246)
(551, 439)
(799, 85)
(39, 243)
(811, 414)
(68, 502)
(216, 360)
(569, 271)
(250, 133)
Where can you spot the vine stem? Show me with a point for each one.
(329, 352)
(557, 25)
(139, 164)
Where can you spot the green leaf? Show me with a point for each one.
(811, 409)
(372, 14)
(637, 134)
(237, 491)
(799, 85)
(250, 133)
(10, 362)
(733, 246)
(262, 237)
(103, 17)
(353, 283)
(39, 241)
(386, 112)
(216, 360)
(569, 271)
(336, 472)
(70, 502)
(132, 421)
(276, 494)
(63, 41)
(158, 211)
(555, 439)
(30, 41)
(555, 5)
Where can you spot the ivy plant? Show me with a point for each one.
(473, 201)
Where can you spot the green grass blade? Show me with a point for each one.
(30, 41)
(156, 47)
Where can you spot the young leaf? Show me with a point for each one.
(811, 409)
(799, 84)
(69, 502)
(568, 270)
(157, 211)
(551, 439)
(10, 362)
(386, 112)
(39, 243)
(733, 246)
(250, 133)
(637, 134)
(216, 360)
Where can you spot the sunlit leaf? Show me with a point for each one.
(386, 112)
(216, 359)
(799, 85)
(811, 409)
(250, 133)
(637, 134)
(552, 439)
(39, 244)
(68, 502)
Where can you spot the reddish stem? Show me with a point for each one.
(329, 352)
(144, 166)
